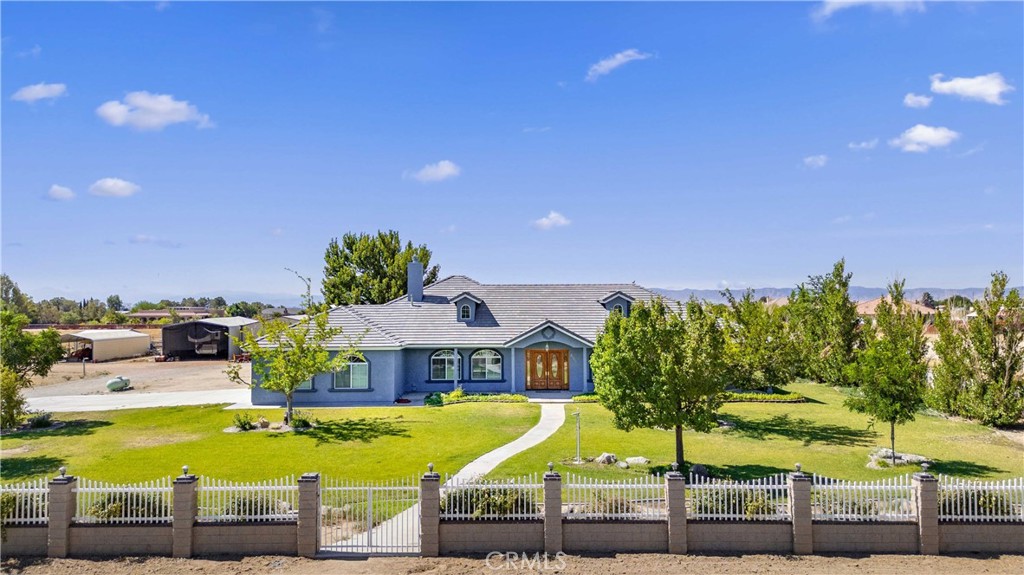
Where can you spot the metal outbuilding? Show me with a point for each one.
(108, 344)
(212, 337)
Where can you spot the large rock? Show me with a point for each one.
(638, 460)
(623, 465)
(607, 458)
(699, 470)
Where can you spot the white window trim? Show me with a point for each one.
(468, 312)
(456, 364)
(495, 355)
(348, 369)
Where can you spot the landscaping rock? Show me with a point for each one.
(638, 460)
(275, 426)
(881, 458)
(623, 465)
(724, 424)
(699, 470)
(606, 458)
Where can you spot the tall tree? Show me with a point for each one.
(981, 374)
(114, 303)
(14, 300)
(660, 368)
(371, 268)
(891, 371)
(760, 349)
(826, 324)
(927, 300)
(26, 353)
(286, 356)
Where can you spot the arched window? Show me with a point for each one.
(486, 365)
(356, 375)
(444, 365)
(617, 308)
(464, 312)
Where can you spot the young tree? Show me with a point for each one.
(371, 269)
(12, 402)
(981, 374)
(758, 343)
(891, 370)
(825, 322)
(659, 368)
(26, 353)
(286, 356)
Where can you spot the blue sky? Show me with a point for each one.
(196, 148)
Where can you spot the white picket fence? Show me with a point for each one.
(973, 500)
(270, 500)
(641, 498)
(763, 499)
(517, 498)
(889, 499)
(102, 502)
(31, 502)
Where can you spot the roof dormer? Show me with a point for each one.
(465, 306)
(617, 301)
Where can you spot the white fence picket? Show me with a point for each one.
(146, 502)
(762, 499)
(31, 502)
(640, 498)
(492, 499)
(270, 500)
(379, 517)
(984, 501)
(890, 499)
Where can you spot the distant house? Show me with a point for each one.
(276, 312)
(184, 313)
(106, 344)
(869, 309)
(458, 332)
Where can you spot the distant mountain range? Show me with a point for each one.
(857, 293)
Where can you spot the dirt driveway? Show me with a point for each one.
(611, 565)
(146, 375)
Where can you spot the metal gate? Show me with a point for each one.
(370, 518)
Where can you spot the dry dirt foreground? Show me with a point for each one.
(147, 376)
(622, 564)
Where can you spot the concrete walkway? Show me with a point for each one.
(131, 400)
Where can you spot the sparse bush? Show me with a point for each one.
(40, 420)
(122, 503)
(481, 501)
(12, 402)
(979, 502)
(301, 420)
(752, 502)
(244, 421)
(460, 396)
(254, 504)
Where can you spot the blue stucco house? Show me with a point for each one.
(460, 333)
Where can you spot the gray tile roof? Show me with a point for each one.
(507, 311)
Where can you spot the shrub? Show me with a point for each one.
(832, 505)
(481, 501)
(7, 505)
(460, 396)
(40, 420)
(977, 502)
(301, 420)
(586, 398)
(12, 402)
(433, 400)
(127, 504)
(609, 503)
(244, 421)
(727, 397)
(254, 504)
(752, 502)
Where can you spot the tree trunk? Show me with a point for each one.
(288, 409)
(679, 446)
(892, 440)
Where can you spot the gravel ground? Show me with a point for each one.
(147, 376)
(610, 565)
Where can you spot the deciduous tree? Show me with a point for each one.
(891, 371)
(758, 343)
(825, 322)
(26, 353)
(371, 268)
(659, 368)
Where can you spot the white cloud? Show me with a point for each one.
(143, 239)
(816, 162)
(533, 129)
(449, 229)
(842, 219)
(552, 220)
(826, 9)
(114, 188)
(60, 193)
(922, 138)
(161, 6)
(323, 20)
(32, 52)
(40, 91)
(145, 111)
(442, 170)
(865, 145)
(912, 100)
(612, 62)
(988, 88)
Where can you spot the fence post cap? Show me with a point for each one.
(310, 476)
(798, 474)
(551, 473)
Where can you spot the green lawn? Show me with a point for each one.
(822, 435)
(356, 443)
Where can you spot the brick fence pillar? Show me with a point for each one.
(926, 499)
(186, 504)
(430, 513)
(63, 501)
(675, 495)
(552, 511)
(800, 512)
(308, 531)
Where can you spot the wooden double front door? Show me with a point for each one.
(547, 369)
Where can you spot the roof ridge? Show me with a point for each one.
(370, 324)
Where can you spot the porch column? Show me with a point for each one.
(512, 373)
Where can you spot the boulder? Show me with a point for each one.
(725, 424)
(606, 458)
(623, 465)
(637, 460)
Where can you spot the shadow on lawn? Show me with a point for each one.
(962, 468)
(71, 428)
(13, 468)
(365, 429)
(804, 430)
